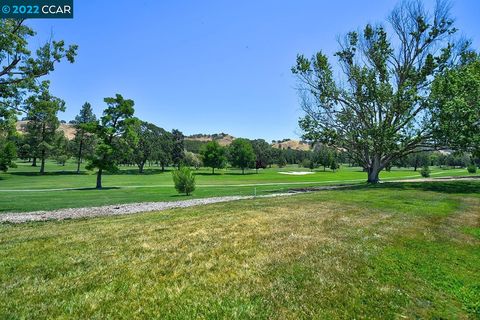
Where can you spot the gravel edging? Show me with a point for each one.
(132, 208)
(121, 209)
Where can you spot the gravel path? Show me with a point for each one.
(130, 208)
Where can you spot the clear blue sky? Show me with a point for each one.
(207, 66)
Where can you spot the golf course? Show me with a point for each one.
(276, 160)
(23, 189)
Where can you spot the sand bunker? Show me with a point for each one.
(297, 173)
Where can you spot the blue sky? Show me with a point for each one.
(207, 66)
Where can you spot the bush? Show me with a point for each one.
(184, 180)
(334, 165)
(472, 168)
(425, 171)
(306, 163)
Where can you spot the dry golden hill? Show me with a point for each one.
(291, 144)
(225, 139)
(68, 129)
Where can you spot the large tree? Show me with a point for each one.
(178, 148)
(148, 142)
(456, 100)
(19, 70)
(263, 153)
(213, 155)
(241, 155)
(43, 123)
(114, 126)
(84, 141)
(379, 110)
(163, 154)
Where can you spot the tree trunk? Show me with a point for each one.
(140, 167)
(79, 158)
(243, 170)
(42, 165)
(99, 179)
(213, 170)
(373, 173)
(34, 162)
(163, 167)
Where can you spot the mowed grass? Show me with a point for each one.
(382, 252)
(128, 186)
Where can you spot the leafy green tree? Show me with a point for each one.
(43, 123)
(379, 111)
(163, 154)
(418, 159)
(178, 148)
(456, 105)
(213, 155)
(115, 124)
(263, 153)
(7, 145)
(192, 160)
(334, 165)
(184, 180)
(322, 156)
(84, 141)
(147, 140)
(7, 155)
(425, 172)
(20, 70)
(60, 150)
(241, 154)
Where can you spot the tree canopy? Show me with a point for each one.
(380, 109)
(115, 124)
(213, 155)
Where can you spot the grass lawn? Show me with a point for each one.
(388, 251)
(128, 186)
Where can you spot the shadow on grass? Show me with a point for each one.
(135, 171)
(51, 173)
(224, 174)
(94, 189)
(450, 187)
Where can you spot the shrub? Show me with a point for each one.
(425, 171)
(306, 163)
(334, 165)
(184, 180)
(472, 168)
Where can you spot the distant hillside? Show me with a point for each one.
(68, 129)
(291, 144)
(225, 139)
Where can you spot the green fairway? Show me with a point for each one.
(388, 251)
(23, 189)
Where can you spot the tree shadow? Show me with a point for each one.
(135, 171)
(51, 173)
(450, 187)
(224, 173)
(93, 189)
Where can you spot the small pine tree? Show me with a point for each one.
(425, 171)
(472, 168)
(334, 165)
(184, 180)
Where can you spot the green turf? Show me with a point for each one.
(128, 186)
(393, 251)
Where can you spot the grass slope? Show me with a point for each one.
(402, 250)
(128, 186)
